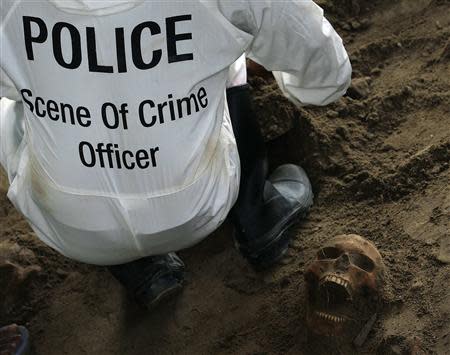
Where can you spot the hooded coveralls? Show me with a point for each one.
(114, 128)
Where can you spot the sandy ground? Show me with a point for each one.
(379, 162)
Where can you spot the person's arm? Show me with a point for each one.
(7, 87)
(11, 110)
(295, 41)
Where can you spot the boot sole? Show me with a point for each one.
(163, 297)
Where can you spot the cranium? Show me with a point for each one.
(344, 287)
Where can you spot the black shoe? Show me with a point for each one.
(152, 279)
(288, 196)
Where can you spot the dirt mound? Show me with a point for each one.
(379, 162)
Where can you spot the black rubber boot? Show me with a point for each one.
(288, 197)
(265, 209)
(152, 279)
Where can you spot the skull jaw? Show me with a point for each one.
(330, 325)
(335, 310)
(325, 324)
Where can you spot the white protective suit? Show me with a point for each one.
(115, 132)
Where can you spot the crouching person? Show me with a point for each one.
(127, 130)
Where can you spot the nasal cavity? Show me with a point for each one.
(343, 260)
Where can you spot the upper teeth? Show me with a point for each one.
(330, 317)
(338, 280)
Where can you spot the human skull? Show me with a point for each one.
(343, 286)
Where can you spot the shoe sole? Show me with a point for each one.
(164, 296)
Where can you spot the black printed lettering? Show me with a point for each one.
(92, 54)
(75, 42)
(173, 38)
(136, 45)
(70, 55)
(29, 38)
(91, 153)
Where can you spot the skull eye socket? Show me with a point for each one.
(328, 253)
(362, 261)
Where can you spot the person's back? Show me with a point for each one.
(125, 115)
(127, 148)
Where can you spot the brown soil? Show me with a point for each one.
(379, 162)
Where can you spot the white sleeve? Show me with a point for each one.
(7, 87)
(295, 41)
(11, 129)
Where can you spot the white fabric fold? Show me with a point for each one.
(117, 141)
